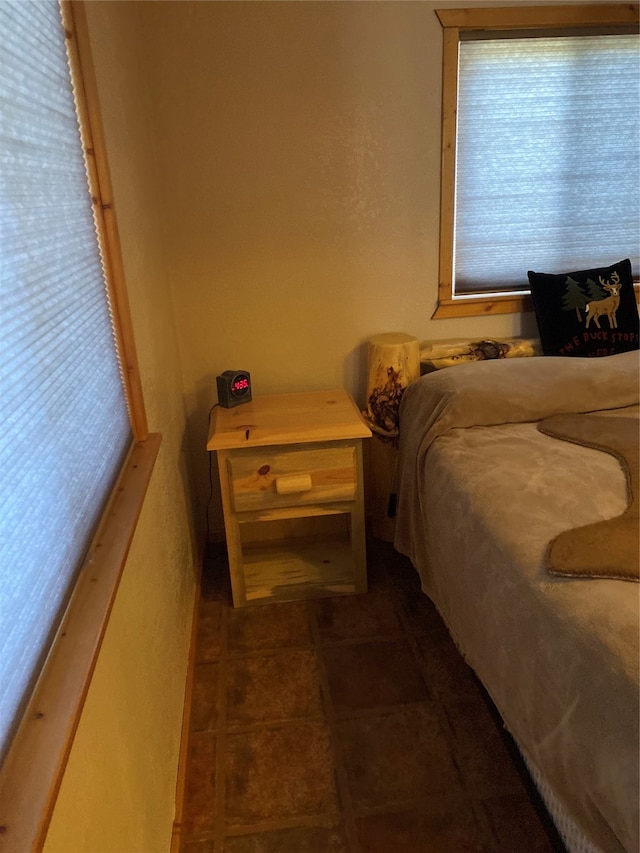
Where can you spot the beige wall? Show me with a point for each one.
(299, 145)
(118, 792)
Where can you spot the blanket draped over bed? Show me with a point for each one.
(482, 493)
(604, 549)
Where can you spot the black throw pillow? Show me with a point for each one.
(586, 313)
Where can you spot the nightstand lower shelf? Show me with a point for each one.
(304, 569)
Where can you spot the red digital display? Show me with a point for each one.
(234, 388)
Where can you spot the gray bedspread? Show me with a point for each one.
(481, 494)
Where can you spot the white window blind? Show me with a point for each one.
(64, 422)
(547, 159)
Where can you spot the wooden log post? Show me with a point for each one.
(393, 364)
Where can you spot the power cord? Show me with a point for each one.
(210, 476)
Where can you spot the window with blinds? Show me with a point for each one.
(65, 425)
(548, 157)
(541, 148)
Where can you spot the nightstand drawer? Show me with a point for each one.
(272, 477)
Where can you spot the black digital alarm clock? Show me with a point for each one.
(234, 387)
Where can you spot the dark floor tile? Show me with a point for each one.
(314, 839)
(268, 626)
(517, 826)
(279, 772)
(439, 826)
(386, 567)
(273, 686)
(481, 752)
(448, 676)
(397, 756)
(198, 847)
(209, 631)
(204, 698)
(370, 674)
(421, 614)
(358, 616)
(199, 802)
(397, 569)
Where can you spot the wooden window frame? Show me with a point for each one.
(453, 22)
(33, 769)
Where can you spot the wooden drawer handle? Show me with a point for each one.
(291, 483)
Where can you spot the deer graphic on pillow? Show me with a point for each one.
(595, 304)
(606, 307)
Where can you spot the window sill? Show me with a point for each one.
(32, 773)
(479, 306)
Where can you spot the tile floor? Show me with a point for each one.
(347, 725)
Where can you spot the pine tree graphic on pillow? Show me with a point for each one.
(574, 297)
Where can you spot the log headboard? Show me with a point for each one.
(447, 353)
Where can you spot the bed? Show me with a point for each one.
(482, 492)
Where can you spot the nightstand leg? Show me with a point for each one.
(232, 533)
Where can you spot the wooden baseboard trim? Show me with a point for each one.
(183, 758)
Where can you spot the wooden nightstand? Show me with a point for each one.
(290, 470)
